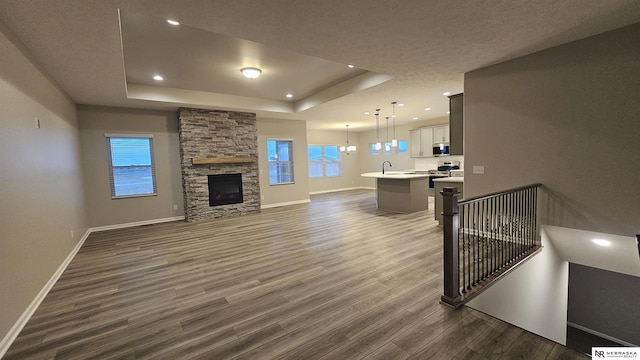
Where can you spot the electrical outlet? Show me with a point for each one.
(175, 207)
(479, 170)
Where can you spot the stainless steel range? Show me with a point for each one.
(444, 168)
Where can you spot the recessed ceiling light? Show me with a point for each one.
(173, 22)
(158, 78)
(366, 113)
(351, 66)
(601, 242)
(415, 118)
(401, 104)
(289, 95)
(250, 72)
(427, 109)
(446, 93)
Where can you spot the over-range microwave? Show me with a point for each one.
(440, 149)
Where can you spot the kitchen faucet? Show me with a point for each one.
(387, 161)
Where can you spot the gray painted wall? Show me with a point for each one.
(350, 163)
(40, 182)
(593, 291)
(104, 211)
(566, 117)
(284, 129)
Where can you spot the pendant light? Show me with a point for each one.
(378, 144)
(394, 141)
(349, 148)
(387, 145)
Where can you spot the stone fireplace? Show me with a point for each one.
(223, 145)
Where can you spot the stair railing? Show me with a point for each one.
(485, 236)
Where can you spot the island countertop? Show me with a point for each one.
(395, 175)
(454, 179)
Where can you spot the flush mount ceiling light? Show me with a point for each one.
(173, 22)
(289, 95)
(158, 77)
(601, 242)
(250, 72)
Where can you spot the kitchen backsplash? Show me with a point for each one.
(431, 163)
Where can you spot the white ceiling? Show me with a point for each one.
(622, 254)
(410, 51)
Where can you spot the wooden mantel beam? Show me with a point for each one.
(227, 160)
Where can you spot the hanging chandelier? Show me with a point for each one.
(348, 148)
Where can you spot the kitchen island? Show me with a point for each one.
(401, 191)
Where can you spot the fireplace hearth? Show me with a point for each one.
(225, 189)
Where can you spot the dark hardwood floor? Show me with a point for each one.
(333, 279)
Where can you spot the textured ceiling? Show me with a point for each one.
(423, 46)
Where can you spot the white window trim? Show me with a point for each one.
(289, 161)
(323, 163)
(108, 136)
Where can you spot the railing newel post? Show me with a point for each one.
(450, 219)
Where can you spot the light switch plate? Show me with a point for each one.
(478, 170)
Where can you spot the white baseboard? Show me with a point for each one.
(15, 330)
(604, 336)
(11, 336)
(285, 204)
(137, 223)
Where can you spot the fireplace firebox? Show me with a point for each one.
(225, 189)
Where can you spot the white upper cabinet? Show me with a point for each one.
(441, 134)
(421, 142)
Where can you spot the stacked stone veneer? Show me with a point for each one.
(217, 134)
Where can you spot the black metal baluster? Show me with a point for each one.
(469, 246)
(477, 239)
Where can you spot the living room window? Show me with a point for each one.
(280, 157)
(131, 168)
(324, 161)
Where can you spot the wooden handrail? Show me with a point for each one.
(497, 193)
